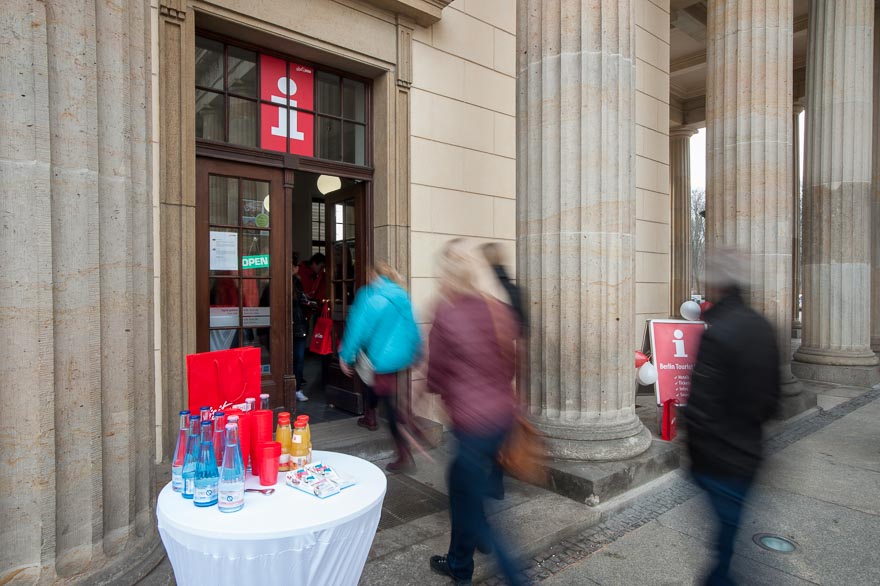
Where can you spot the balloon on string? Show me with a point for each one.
(647, 374)
(704, 307)
(690, 310)
(641, 358)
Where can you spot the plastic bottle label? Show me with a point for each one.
(189, 485)
(176, 480)
(231, 496)
(206, 494)
(297, 439)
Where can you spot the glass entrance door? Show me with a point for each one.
(345, 271)
(240, 264)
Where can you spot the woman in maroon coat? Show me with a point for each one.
(471, 366)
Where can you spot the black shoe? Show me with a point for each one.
(440, 565)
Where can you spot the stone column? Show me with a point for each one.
(680, 172)
(837, 195)
(576, 223)
(797, 218)
(748, 150)
(875, 195)
(76, 477)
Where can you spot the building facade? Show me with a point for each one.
(165, 163)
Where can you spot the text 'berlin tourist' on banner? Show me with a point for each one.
(674, 345)
(289, 89)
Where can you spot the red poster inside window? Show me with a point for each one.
(286, 86)
(674, 345)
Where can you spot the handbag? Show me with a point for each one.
(223, 377)
(322, 338)
(523, 455)
(364, 369)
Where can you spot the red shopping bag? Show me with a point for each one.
(322, 339)
(222, 377)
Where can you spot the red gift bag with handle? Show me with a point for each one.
(322, 339)
(222, 378)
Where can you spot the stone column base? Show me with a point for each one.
(595, 442)
(821, 356)
(856, 376)
(594, 483)
(791, 405)
(796, 329)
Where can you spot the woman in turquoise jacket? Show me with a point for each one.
(382, 336)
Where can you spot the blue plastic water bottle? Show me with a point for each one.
(192, 458)
(207, 476)
(231, 487)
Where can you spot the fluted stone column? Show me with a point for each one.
(680, 172)
(576, 216)
(797, 218)
(749, 149)
(837, 192)
(76, 319)
(875, 195)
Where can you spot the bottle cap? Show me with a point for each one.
(194, 417)
(204, 423)
(300, 424)
(302, 418)
(185, 412)
(264, 395)
(284, 418)
(230, 426)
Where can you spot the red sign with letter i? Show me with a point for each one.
(287, 86)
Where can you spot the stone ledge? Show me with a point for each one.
(594, 483)
(855, 376)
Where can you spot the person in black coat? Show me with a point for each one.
(735, 389)
(300, 304)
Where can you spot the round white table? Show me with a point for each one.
(289, 537)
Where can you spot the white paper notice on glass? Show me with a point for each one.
(224, 251)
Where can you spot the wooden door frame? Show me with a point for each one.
(205, 167)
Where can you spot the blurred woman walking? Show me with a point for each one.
(381, 338)
(471, 365)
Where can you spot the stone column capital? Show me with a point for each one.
(682, 132)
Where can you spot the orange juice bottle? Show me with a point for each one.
(299, 452)
(284, 436)
(308, 437)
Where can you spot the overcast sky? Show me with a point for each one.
(698, 156)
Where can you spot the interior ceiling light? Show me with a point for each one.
(328, 184)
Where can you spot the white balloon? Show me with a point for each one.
(690, 310)
(647, 374)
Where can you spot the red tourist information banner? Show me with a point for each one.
(287, 86)
(674, 345)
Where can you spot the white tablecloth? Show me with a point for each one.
(289, 537)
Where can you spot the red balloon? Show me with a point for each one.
(704, 307)
(641, 358)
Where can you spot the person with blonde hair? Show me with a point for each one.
(471, 366)
(382, 338)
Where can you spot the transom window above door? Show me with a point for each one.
(253, 99)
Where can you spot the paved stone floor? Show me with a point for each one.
(820, 487)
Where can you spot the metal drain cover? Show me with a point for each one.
(774, 543)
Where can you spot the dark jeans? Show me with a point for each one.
(471, 477)
(299, 359)
(727, 496)
(373, 399)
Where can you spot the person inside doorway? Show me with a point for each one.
(300, 304)
(312, 275)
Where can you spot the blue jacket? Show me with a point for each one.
(381, 325)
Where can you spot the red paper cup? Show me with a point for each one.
(269, 456)
(261, 431)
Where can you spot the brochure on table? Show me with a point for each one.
(319, 480)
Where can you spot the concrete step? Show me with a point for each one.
(347, 437)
